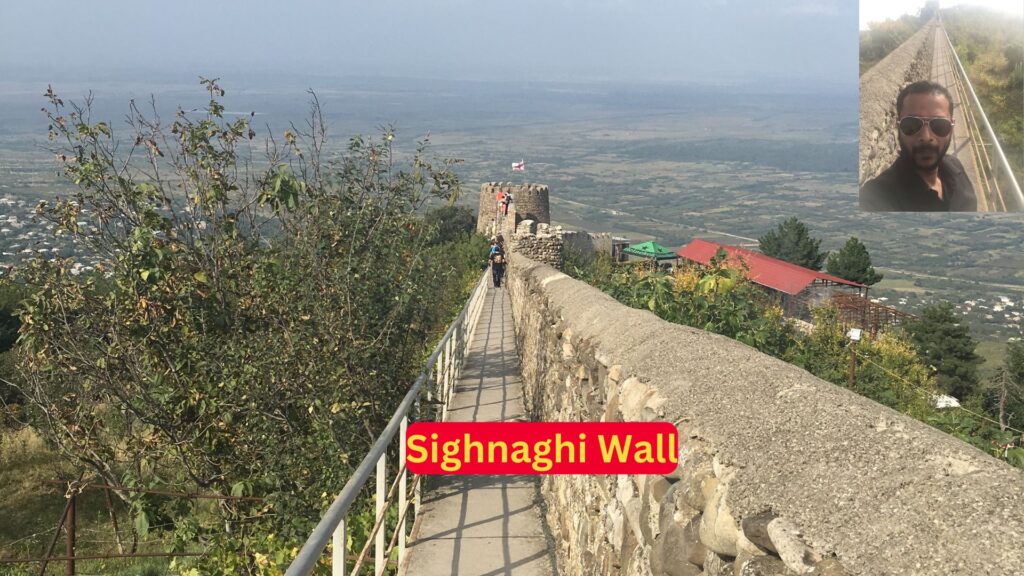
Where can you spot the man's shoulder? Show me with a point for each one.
(964, 198)
(881, 192)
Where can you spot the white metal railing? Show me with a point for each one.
(442, 369)
(1006, 183)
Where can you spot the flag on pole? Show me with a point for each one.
(519, 166)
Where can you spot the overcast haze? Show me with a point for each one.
(535, 40)
(881, 10)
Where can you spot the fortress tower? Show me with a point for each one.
(530, 202)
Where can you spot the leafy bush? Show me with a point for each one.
(881, 38)
(718, 299)
(250, 329)
(990, 46)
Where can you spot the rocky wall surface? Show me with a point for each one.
(780, 473)
(879, 86)
(538, 242)
(530, 200)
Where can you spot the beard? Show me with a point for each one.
(916, 154)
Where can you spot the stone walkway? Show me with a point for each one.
(484, 525)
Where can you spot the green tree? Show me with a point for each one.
(1015, 360)
(1005, 396)
(10, 296)
(881, 38)
(717, 298)
(946, 344)
(792, 242)
(247, 332)
(824, 352)
(450, 223)
(853, 263)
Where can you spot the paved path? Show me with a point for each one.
(484, 525)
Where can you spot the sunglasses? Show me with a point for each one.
(941, 127)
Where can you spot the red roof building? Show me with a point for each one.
(778, 275)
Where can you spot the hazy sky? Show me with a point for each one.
(623, 40)
(878, 10)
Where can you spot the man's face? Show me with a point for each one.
(925, 148)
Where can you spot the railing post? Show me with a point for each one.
(457, 337)
(339, 541)
(402, 504)
(448, 384)
(69, 526)
(378, 545)
(440, 414)
(1017, 195)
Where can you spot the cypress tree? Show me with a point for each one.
(792, 242)
(853, 263)
(946, 344)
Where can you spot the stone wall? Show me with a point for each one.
(780, 472)
(538, 242)
(879, 86)
(586, 244)
(530, 201)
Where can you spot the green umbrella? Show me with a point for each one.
(651, 250)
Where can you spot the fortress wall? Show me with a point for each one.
(538, 242)
(879, 86)
(780, 472)
(529, 200)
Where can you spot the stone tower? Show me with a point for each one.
(529, 200)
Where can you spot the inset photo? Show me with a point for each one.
(941, 105)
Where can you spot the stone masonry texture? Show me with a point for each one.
(780, 472)
(529, 200)
(879, 86)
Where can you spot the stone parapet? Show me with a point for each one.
(879, 86)
(531, 202)
(780, 472)
(539, 242)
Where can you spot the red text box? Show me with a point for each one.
(542, 447)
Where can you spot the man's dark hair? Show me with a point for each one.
(923, 87)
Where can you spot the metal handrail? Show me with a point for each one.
(448, 354)
(1018, 196)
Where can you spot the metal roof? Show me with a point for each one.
(764, 270)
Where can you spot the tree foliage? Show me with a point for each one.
(450, 223)
(1005, 393)
(254, 321)
(990, 46)
(718, 299)
(791, 241)
(881, 38)
(946, 345)
(889, 367)
(853, 263)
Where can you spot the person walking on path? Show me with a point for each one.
(505, 203)
(497, 269)
(499, 198)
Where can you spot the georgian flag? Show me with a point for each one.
(519, 166)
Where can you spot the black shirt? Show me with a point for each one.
(901, 189)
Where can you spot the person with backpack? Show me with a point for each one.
(497, 268)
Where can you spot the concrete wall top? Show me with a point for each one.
(885, 493)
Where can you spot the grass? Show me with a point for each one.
(30, 510)
(899, 285)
